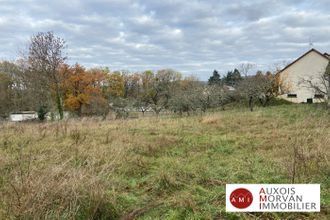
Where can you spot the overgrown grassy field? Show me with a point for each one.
(160, 168)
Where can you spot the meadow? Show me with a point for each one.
(166, 167)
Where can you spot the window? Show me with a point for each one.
(318, 96)
(292, 95)
(310, 101)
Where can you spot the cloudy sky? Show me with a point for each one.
(193, 37)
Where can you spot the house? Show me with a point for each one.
(23, 116)
(298, 77)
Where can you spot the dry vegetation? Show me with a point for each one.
(151, 168)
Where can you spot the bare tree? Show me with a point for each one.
(163, 85)
(14, 94)
(142, 93)
(5, 94)
(261, 87)
(327, 76)
(185, 96)
(279, 65)
(244, 68)
(45, 57)
(320, 85)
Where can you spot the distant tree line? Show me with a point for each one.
(42, 81)
(261, 87)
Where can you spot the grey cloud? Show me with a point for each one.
(193, 37)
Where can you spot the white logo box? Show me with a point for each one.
(274, 198)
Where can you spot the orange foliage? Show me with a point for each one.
(80, 86)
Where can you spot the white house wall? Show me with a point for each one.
(311, 66)
(22, 117)
(16, 117)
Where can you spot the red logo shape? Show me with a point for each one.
(241, 198)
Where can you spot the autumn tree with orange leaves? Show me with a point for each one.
(83, 90)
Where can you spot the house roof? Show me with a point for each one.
(325, 55)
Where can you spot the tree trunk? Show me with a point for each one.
(222, 107)
(58, 96)
(261, 102)
(79, 110)
(251, 103)
(157, 112)
(267, 99)
(59, 105)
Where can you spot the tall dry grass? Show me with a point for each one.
(157, 167)
(66, 169)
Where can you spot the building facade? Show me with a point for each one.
(23, 116)
(302, 81)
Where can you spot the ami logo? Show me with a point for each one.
(241, 198)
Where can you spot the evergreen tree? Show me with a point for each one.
(215, 78)
(232, 77)
(42, 111)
